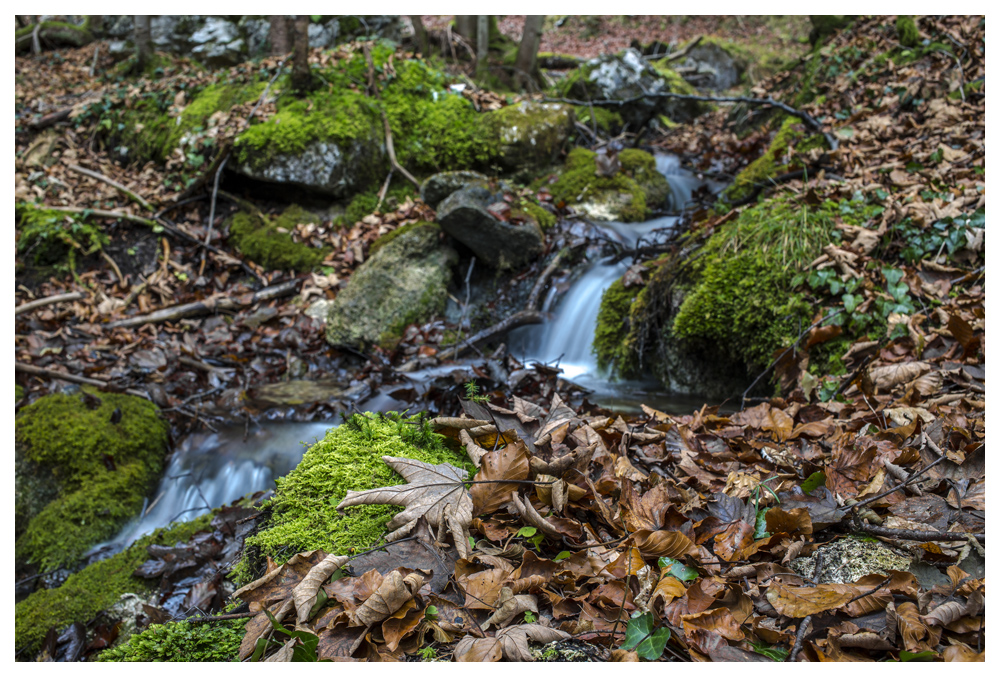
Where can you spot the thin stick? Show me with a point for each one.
(385, 188)
(118, 272)
(49, 300)
(211, 210)
(82, 380)
(114, 184)
(913, 477)
(93, 65)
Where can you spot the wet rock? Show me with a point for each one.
(532, 134)
(439, 186)
(405, 281)
(465, 216)
(848, 559)
(625, 75)
(294, 393)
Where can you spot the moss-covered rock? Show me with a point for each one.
(349, 458)
(531, 134)
(907, 31)
(57, 33)
(466, 216)
(181, 642)
(269, 242)
(627, 196)
(47, 237)
(613, 324)
(721, 63)
(439, 186)
(79, 476)
(95, 588)
(405, 281)
(626, 75)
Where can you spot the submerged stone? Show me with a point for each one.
(466, 217)
(405, 281)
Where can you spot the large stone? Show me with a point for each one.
(626, 75)
(718, 65)
(532, 134)
(465, 216)
(439, 186)
(337, 170)
(405, 281)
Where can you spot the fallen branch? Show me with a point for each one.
(49, 300)
(114, 184)
(50, 119)
(521, 319)
(223, 617)
(81, 380)
(809, 120)
(536, 291)
(913, 534)
(208, 306)
(684, 52)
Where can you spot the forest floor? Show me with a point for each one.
(666, 537)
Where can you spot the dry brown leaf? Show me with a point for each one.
(510, 605)
(509, 643)
(436, 492)
(392, 594)
(507, 463)
(962, 653)
(799, 602)
(304, 594)
(887, 377)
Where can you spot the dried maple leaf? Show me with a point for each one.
(507, 463)
(509, 643)
(436, 492)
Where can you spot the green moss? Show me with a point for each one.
(103, 471)
(675, 82)
(740, 307)
(542, 217)
(93, 589)
(258, 238)
(52, 238)
(608, 121)
(767, 165)
(610, 344)
(393, 234)
(907, 31)
(182, 641)
(303, 510)
(19, 393)
(639, 185)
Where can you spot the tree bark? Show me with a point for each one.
(465, 25)
(420, 35)
(301, 75)
(278, 35)
(482, 44)
(143, 42)
(527, 52)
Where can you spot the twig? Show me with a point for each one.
(913, 477)
(465, 307)
(36, 44)
(114, 184)
(914, 535)
(385, 122)
(211, 210)
(93, 65)
(111, 262)
(385, 188)
(49, 300)
(684, 52)
(536, 290)
(800, 636)
(809, 120)
(82, 380)
(223, 617)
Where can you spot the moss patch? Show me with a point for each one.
(260, 239)
(907, 31)
(93, 589)
(101, 471)
(349, 458)
(51, 238)
(612, 329)
(626, 196)
(174, 642)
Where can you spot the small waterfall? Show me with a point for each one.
(211, 469)
(569, 336)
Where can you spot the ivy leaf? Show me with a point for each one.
(678, 569)
(640, 636)
(815, 480)
(773, 652)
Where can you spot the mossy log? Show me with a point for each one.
(54, 33)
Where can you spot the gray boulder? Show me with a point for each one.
(714, 65)
(626, 75)
(439, 186)
(405, 281)
(532, 133)
(465, 216)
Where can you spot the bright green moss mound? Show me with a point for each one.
(176, 642)
(627, 193)
(740, 306)
(100, 471)
(606, 120)
(48, 237)
(95, 588)
(18, 392)
(349, 458)
(534, 212)
(906, 30)
(260, 239)
(393, 234)
(767, 165)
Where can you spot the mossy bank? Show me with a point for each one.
(84, 463)
(629, 195)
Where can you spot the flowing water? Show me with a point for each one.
(210, 469)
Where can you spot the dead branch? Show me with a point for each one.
(81, 380)
(536, 291)
(209, 306)
(809, 120)
(521, 319)
(50, 119)
(48, 300)
(684, 52)
(114, 184)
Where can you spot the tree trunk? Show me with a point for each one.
(301, 76)
(482, 44)
(143, 42)
(527, 52)
(420, 36)
(278, 35)
(465, 25)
